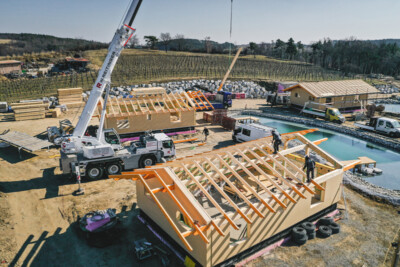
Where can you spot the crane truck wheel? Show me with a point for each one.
(113, 168)
(94, 172)
(148, 160)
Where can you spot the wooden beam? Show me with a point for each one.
(176, 229)
(230, 68)
(246, 184)
(300, 147)
(209, 197)
(162, 189)
(182, 209)
(221, 191)
(234, 188)
(129, 113)
(133, 106)
(172, 104)
(257, 181)
(258, 169)
(277, 173)
(322, 153)
(152, 104)
(177, 102)
(284, 168)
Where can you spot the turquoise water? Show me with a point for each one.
(344, 147)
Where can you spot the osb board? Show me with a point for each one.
(220, 249)
(159, 121)
(36, 117)
(73, 104)
(26, 114)
(148, 91)
(32, 105)
(26, 103)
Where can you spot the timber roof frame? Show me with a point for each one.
(148, 104)
(231, 166)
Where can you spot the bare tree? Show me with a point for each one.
(133, 42)
(165, 39)
(180, 41)
(208, 44)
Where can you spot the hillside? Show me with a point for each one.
(147, 66)
(25, 43)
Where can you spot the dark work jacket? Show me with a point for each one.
(309, 164)
(276, 136)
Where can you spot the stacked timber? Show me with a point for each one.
(29, 110)
(71, 97)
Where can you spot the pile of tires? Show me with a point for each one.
(327, 227)
(307, 230)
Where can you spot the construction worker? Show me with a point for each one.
(206, 133)
(276, 140)
(309, 164)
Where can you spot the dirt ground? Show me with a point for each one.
(38, 214)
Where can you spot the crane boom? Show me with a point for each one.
(118, 43)
(230, 68)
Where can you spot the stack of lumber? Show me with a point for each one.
(71, 97)
(29, 110)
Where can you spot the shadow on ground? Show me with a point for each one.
(12, 156)
(69, 247)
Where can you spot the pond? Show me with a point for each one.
(344, 147)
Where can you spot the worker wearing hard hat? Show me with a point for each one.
(276, 140)
(309, 164)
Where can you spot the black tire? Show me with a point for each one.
(94, 172)
(147, 160)
(391, 134)
(311, 235)
(301, 241)
(324, 231)
(325, 221)
(226, 106)
(335, 228)
(298, 233)
(309, 227)
(113, 168)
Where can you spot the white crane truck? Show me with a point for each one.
(91, 156)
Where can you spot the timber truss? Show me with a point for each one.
(155, 103)
(248, 177)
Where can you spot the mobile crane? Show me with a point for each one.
(91, 156)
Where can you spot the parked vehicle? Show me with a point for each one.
(325, 111)
(390, 127)
(245, 132)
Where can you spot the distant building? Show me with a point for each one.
(344, 95)
(76, 63)
(10, 66)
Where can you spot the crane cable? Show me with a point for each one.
(230, 32)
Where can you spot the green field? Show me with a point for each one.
(138, 66)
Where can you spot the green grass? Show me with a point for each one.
(146, 66)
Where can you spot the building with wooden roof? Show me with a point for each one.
(152, 109)
(218, 204)
(10, 66)
(344, 95)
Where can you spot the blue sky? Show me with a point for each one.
(253, 20)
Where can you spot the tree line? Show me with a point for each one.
(350, 56)
(25, 43)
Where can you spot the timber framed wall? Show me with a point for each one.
(220, 203)
(152, 111)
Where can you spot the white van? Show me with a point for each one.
(249, 132)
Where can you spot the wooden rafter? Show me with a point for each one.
(293, 187)
(183, 210)
(260, 184)
(249, 187)
(176, 229)
(234, 188)
(284, 168)
(259, 170)
(221, 191)
(209, 197)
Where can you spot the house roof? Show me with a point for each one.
(247, 170)
(336, 88)
(9, 62)
(70, 59)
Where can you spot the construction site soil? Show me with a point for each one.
(38, 214)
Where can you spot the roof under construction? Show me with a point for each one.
(260, 180)
(336, 88)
